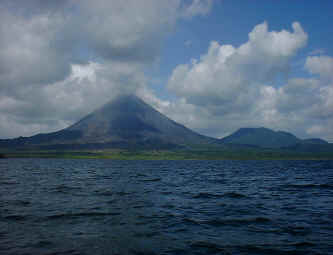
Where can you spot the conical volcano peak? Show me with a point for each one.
(124, 122)
(124, 103)
(127, 118)
(125, 99)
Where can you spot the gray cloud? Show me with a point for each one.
(27, 56)
(61, 59)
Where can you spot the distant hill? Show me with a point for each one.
(267, 138)
(126, 122)
(261, 137)
(314, 141)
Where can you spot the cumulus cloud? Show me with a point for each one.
(304, 106)
(236, 87)
(61, 59)
(53, 38)
(61, 103)
(26, 49)
(322, 65)
(230, 76)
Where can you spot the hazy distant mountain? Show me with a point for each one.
(267, 138)
(124, 122)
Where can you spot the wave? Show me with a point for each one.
(106, 193)
(123, 193)
(309, 186)
(234, 195)
(16, 217)
(213, 247)
(23, 203)
(229, 221)
(203, 195)
(297, 230)
(84, 214)
(9, 183)
(152, 180)
(65, 189)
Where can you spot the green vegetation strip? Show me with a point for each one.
(171, 155)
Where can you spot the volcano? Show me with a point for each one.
(125, 122)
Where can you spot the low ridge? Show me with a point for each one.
(262, 137)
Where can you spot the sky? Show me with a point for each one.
(212, 65)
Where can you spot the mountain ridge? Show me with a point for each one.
(267, 138)
(127, 122)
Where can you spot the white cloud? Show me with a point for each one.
(236, 87)
(231, 76)
(197, 7)
(322, 65)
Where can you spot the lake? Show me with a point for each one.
(67, 206)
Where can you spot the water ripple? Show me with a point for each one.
(53, 206)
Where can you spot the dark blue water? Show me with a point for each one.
(54, 206)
